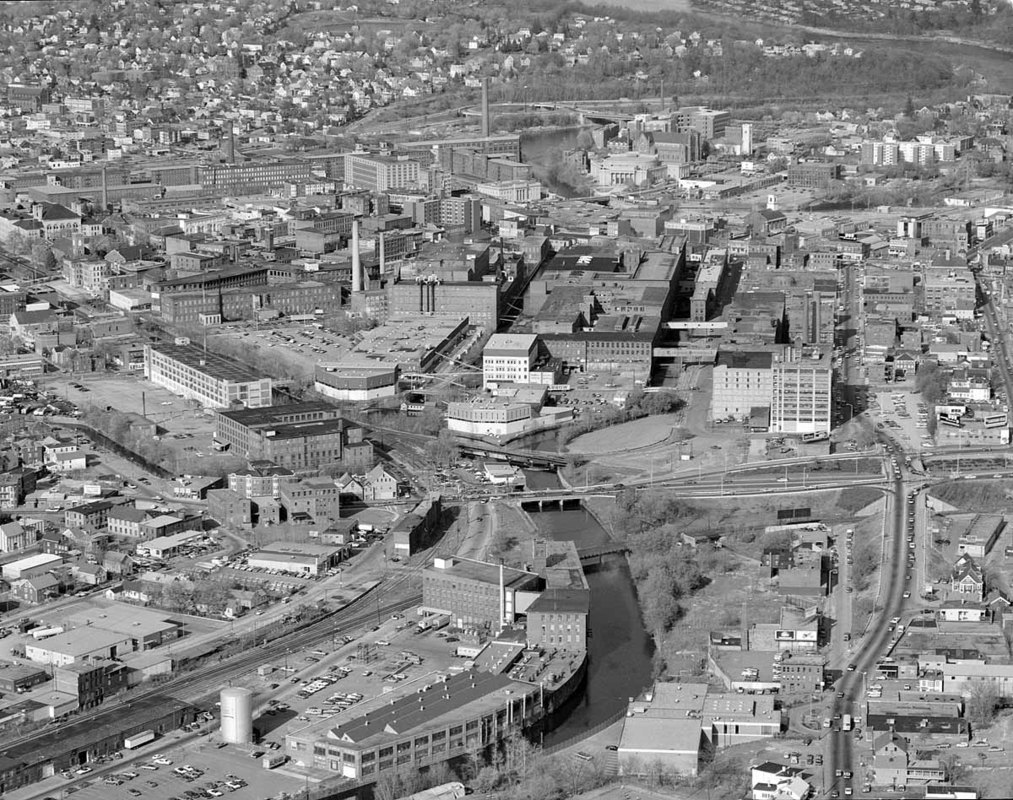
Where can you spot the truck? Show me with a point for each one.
(265, 669)
(846, 722)
(45, 633)
(439, 623)
(272, 760)
(130, 742)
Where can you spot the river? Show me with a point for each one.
(620, 650)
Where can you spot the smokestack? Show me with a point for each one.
(105, 190)
(485, 107)
(383, 255)
(232, 144)
(356, 262)
(502, 599)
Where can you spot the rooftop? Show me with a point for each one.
(210, 364)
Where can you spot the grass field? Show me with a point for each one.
(981, 496)
(644, 5)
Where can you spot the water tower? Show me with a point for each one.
(237, 715)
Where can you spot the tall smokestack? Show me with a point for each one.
(485, 107)
(383, 255)
(356, 262)
(502, 600)
(105, 190)
(232, 144)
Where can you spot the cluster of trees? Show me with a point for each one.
(664, 571)
(866, 562)
(203, 595)
(118, 426)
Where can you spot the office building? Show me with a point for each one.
(801, 396)
(381, 173)
(509, 358)
(209, 379)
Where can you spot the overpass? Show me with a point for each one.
(518, 457)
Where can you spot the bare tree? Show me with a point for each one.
(982, 703)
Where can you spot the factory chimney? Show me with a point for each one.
(485, 108)
(356, 261)
(383, 255)
(502, 600)
(105, 190)
(232, 144)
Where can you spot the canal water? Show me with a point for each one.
(620, 649)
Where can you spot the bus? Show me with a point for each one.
(846, 722)
(953, 423)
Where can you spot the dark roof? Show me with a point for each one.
(421, 707)
(274, 415)
(91, 508)
(745, 359)
(563, 601)
(210, 364)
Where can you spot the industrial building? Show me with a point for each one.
(211, 380)
(31, 566)
(353, 382)
(80, 644)
(301, 559)
(168, 546)
(478, 593)
(78, 743)
(412, 532)
(298, 436)
(429, 725)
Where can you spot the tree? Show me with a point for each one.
(42, 257)
(443, 450)
(982, 703)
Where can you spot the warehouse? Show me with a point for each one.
(30, 567)
(356, 382)
(301, 559)
(78, 645)
(78, 743)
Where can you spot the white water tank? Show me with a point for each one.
(237, 715)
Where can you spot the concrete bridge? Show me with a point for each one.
(524, 458)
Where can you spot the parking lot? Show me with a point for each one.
(196, 770)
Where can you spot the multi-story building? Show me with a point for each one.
(211, 380)
(125, 520)
(317, 497)
(479, 301)
(299, 436)
(88, 516)
(813, 174)
(92, 275)
(429, 725)
(509, 358)
(475, 593)
(304, 297)
(253, 177)
(801, 396)
(743, 380)
(557, 619)
(13, 537)
(91, 682)
(381, 173)
(262, 479)
(949, 290)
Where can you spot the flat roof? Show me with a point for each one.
(745, 359)
(212, 365)
(507, 342)
(563, 601)
(271, 415)
(173, 540)
(37, 560)
(661, 735)
(80, 641)
(484, 573)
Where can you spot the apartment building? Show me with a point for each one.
(211, 380)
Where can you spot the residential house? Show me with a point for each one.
(54, 543)
(379, 484)
(88, 574)
(68, 462)
(350, 487)
(13, 537)
(116, 563)
(967, 579)
(34, 591)
(890, 760)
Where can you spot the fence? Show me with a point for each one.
(611, 720)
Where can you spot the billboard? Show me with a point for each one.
(784, 636)
(784, 514)
(805, 636)
(995, 421)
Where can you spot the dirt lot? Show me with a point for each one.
(187, 429)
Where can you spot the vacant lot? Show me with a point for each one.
(981, 496)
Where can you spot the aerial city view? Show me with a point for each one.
(412, 399)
